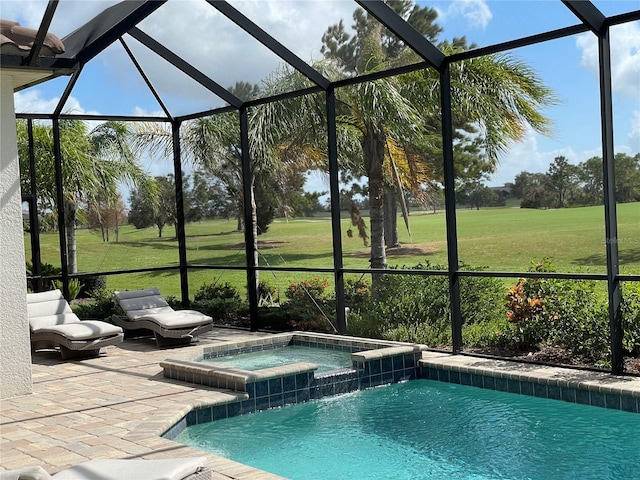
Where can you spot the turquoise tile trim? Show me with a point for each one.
(557, 389)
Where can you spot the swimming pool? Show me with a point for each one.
(425, 429)
(327, 360)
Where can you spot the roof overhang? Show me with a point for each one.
(27, 76)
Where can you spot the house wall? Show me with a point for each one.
(15, 349)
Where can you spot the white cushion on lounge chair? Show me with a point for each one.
(148, 310)
(81, 330)
(150, 302)
(174, 318)
(137, 293)
(134, 469)
(38, 322)
(39, 305)
(142, 311)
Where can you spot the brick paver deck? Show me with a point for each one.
(118, 405)
(114, 406)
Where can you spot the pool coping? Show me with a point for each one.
(588, 387)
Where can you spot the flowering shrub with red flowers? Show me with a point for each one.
(309, 307)
(525, 304)
(521, 306)
(356, 291)
(305, 289)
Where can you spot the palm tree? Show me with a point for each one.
(93, 164)
(396, 120)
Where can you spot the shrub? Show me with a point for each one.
(492, 333)
(525, 307)
(46, 270)
(356, 291)
(435, 335)
(417, 307)
(571, 314)
(307, 289)
(631, 317)
(101, 306)
(226, 311)
(74, 287)
(211, 291)
(91, 284)
(308, 307)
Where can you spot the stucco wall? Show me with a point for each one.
(15, 350)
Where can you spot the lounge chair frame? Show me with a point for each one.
(73, 348)
(51, 335)
(150, 323)
(164, 337)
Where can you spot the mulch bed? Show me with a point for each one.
(557, 356)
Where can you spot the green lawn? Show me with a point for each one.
(503, 239)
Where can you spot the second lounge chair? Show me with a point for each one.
(148, 310)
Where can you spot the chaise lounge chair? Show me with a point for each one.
(190, 468)
(53, 324)
(147, 310)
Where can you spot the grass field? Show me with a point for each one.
(503, 239)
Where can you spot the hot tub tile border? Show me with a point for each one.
(375, 363)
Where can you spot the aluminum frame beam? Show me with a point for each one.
(105, 28)
(146, 80)
(34, 55)
(405, 32)
(185, 67)
(587, 13)
(268, 41)
(180, 227)
(610, 212)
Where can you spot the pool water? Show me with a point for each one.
(425, 429)
(327, 360)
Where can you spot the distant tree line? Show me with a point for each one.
(207, 197)
(562, 185)
(566, 185)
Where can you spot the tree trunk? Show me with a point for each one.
(390, 218)
(254, 228)
(239, 224)
(70, 215)
(373, 149)
(116, 228)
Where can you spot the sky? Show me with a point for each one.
(195, 31)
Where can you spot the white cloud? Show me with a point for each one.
(28, 14)
(625, 57)
(526, 155)
(476, 12)
(222, 50)
(634, 132)
(32, 101)
(141, 112)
